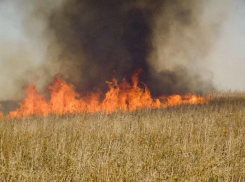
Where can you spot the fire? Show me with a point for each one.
(126, 96)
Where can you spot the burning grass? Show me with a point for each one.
(125, 96)
(184, 143)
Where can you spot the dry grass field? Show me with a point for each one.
(185, 143)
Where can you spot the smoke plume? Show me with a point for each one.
(91, 41)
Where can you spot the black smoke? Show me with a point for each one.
(102, 39)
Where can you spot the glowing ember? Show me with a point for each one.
(126, 96)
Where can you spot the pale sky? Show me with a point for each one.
(227, 59)
(10, 21)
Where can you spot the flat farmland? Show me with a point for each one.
(183, 143)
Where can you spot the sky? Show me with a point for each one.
(227, 58)
(12, 29)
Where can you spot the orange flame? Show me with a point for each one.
(125, 96)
